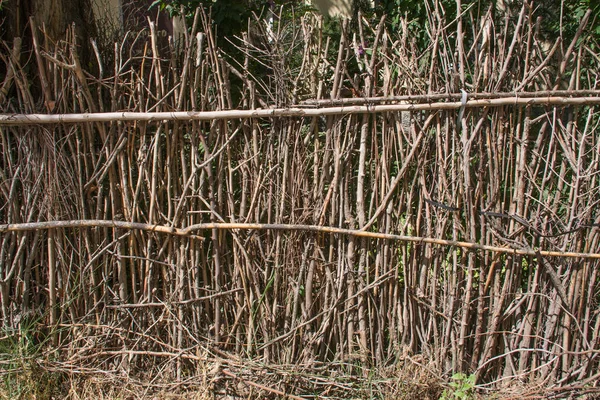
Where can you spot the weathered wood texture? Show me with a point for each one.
(512, 176)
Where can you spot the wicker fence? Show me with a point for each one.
(279, 223)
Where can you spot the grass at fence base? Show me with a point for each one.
(29, 373)
(35, 378)
(28, 386)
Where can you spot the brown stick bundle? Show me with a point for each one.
(159, 211)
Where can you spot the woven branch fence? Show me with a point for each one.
(162, 212)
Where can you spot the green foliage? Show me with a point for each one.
(230, 17)
(21, 375)
(462, 387)
(557, 18)
(416, 14)
(563, 19)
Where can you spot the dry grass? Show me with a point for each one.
(411, 378)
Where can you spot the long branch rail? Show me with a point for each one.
(284, 227)
(28, 119)
(427, 98)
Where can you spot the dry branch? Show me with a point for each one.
(34, 119)
(188, 231)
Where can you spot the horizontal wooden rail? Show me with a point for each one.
(190, 231)
(428, 98)
(33, 119)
